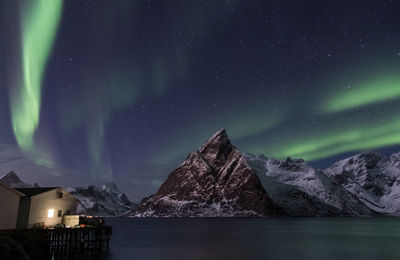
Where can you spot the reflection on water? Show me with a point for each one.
(308, 238)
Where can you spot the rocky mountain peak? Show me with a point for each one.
(110, 188)
(217, 149)
(11, 177)
(13, 180)
(218, 137)
(213, 181)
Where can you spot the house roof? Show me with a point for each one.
(11, 189)
(29, 192)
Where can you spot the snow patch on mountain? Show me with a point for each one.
(304, 190)
(106, 200)
(372, 177)
(395, 159)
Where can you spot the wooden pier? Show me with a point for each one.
(79, 241)
(58, 243)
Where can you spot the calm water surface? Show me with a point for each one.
(308, 238)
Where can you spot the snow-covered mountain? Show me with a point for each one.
(106, 200)
(302, 190)
(213, 181)
(12, 180)
(217, 180)
(373, 178)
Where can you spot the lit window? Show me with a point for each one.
(50, 213)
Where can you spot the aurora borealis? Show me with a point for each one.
(123, 90)
(38, 27)
(369, 92)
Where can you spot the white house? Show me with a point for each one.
(44, 206)
(9, 200)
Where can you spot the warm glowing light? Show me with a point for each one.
(50, 213)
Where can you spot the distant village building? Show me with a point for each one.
(44, 206)
(9, 200)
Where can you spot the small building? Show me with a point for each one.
(9, 200)
(44, 206)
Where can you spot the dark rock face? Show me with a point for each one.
(213, 181)
(124, 200)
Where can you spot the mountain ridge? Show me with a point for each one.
(217, 180)
(290, 187)
(106, 200)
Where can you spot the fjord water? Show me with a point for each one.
(256, 238)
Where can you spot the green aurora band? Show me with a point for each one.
(345, 140)
(326, 140)
(40, 20)
(366, 93)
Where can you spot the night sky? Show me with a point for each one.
(124, 90)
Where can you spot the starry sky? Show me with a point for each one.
(124, 90)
